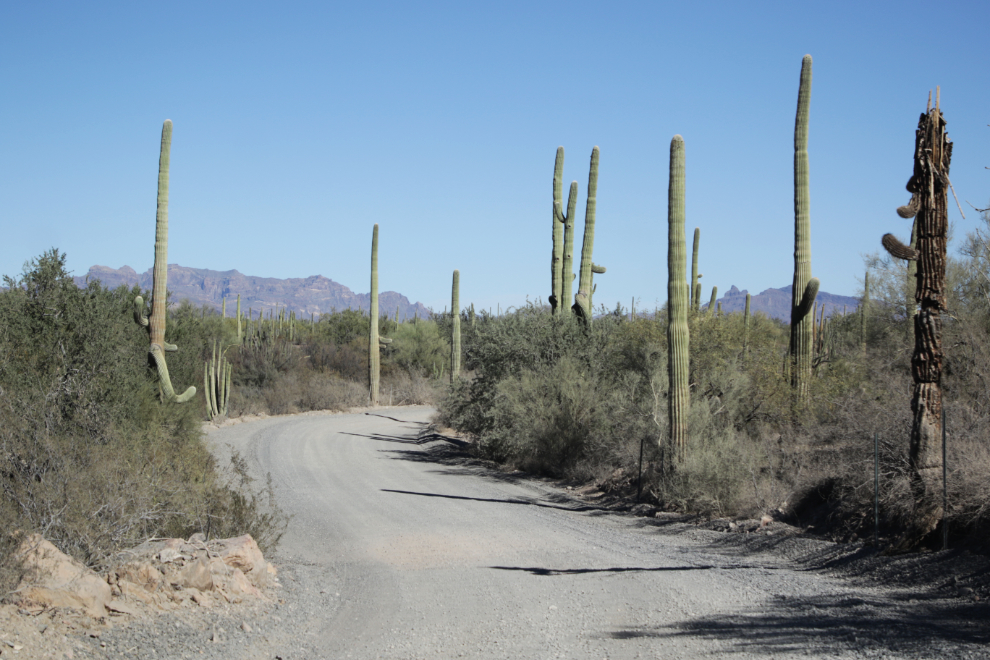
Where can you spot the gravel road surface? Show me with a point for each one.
(400, 547)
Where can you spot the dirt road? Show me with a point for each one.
(399, 548)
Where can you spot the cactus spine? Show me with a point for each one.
(679, 399)
(455, 330)
(695, 300)
(582, 301)
(373, 352)
(156, 322)
(805, 287)
(559, 221)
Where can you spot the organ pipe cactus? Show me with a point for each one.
(679, 399)
(582, 301)
(695, 298)
(805, 287)
(455, 329)
(373, 351)
(216, 384)
(559, 262)
(156, 322)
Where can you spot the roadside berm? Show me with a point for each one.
(59, 594)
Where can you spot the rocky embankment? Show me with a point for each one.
(62, 609)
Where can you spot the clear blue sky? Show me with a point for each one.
(300, 125)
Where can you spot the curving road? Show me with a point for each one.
(401, 548)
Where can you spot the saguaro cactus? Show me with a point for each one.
(156, 322)
(239, 338)
(559, 222)
(864, 310)
(695, 291)
(582, 301)
(711, 303)
(805, 287)
(679, 398)
(567, 270)
(929, 201)
(746, 327)
(373, 351)
(455, 330)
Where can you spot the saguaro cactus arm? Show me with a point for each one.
(567, 261)
(808, 298)
(897, 249)
(556, 260)
(165, 382)
(582, 305)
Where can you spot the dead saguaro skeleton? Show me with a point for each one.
(929, 187)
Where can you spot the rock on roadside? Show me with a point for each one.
(158, 575)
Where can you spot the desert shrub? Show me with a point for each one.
(419, 348)
(89, 457)
(348, 361)
(261, 361)
(401, 388)
(330, 392)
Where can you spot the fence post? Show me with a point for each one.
(876, 490)
(945, 490)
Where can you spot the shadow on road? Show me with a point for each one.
(578, 508)
(807, 624)
(405, 440)
(618, 569)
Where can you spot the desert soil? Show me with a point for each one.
(402, 546)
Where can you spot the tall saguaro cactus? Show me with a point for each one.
(694, 299)
(455, 330)
(864, 310)
(805, 287)
(373, 351)
(582, 301)
(156, 322)
(679, 398)
(929, 202)
(563, 231)
(746, 327)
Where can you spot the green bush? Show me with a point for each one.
(88, 455)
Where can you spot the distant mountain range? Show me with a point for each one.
(320, 295)
(776, 303)
(304, 296)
